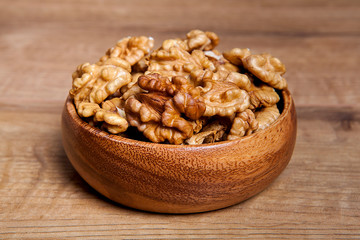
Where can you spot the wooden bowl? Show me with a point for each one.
(176, 178)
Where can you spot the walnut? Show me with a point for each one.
(167, 44)
(224, 71)
(220, 92)
(182, 103)
(186, 99)
(171, 62)
(203, 62)
(185, 92)
(156, 83)
(267, 68)
(212, 132)
(215, 56)
(175, 61)
(200, 77)
(131, 88)
(113, 116)
(147, 119)
(266, 116)
(164, 104)
(171, 117)
(244, 124)
(221, 63)
(93, 84)
(179, 57)
(149, 106)
(158, 133)
(129, 91)
(224, 98)
(236, 55)
(118, 62)
(197, 39)
(141, 66)
(192, 107)
(115, 105)
(262, 95)
(87, 109)
(240, 80)
(131, 49)
(198, 124)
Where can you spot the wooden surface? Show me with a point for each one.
(41, 43)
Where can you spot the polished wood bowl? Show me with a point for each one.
(179, 178)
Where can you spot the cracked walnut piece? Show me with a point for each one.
(197, 39)
(236, 55)
(131, 49)
(267, 68)
(175, 61)
(93, 83)
(266, 116)
(244, 124)
(112, 115)
(262, 96)
(178, 57)
(146, 118)
(224, 98)
(164, 105)
(212, 132)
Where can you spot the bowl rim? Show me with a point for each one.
(70, 108)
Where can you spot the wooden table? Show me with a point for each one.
(41, 43)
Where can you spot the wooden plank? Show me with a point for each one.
(316, 196)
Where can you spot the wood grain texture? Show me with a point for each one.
(41, 43)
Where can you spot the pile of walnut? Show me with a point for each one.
(185, 92)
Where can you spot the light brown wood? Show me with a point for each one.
(179, 179)
(317, 196)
